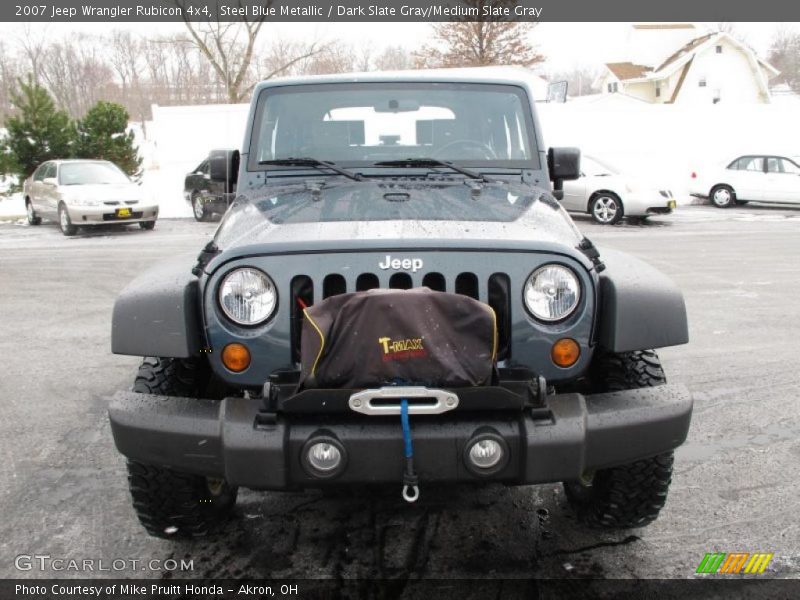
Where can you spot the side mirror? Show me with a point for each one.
(564, 164)
(224, 166)
(50, 181)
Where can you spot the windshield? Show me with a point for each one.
(90, 174)
(476, 125)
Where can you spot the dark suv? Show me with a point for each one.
(352, 185)
(207, 196)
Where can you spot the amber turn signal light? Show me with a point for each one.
(236, 357)
(565, 352)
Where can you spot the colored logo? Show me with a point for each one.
(401, 349)
(734, 562)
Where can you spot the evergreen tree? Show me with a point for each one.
(38, 132)
(103, 134)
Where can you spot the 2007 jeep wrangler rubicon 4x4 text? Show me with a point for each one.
(396, 297)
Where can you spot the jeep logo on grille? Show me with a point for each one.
(406, 264)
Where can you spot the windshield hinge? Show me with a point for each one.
(210, 250)
(592, 253)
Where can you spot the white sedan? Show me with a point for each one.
(604, 193)
(749, 177)
(85, 192)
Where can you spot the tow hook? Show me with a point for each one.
(410, 479)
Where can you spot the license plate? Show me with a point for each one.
(123, 213)
(672, 204)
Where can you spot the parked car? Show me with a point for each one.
(749, 178)
(80, 193)
(407, 303)
(608, 196)
(207, 196)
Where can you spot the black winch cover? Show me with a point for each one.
(389, 336)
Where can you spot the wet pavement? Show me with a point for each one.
(62, 484)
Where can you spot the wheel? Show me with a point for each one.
(722, 196)
(67, 228)
(199, 208)
(629, 495)
(147, 225)
(32, 218)
(168, 503)
(606, 208)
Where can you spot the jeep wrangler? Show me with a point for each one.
(397, 296)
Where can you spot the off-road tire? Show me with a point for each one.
(31, 213)
(171, 504)
(630, 495)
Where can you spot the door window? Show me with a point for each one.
(782, 165)
(748, 163)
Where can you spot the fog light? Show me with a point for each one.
(486, 453)
(323, 457)
(236, 357)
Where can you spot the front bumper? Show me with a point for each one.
(230, 439)
(641, 204)
(100, 215)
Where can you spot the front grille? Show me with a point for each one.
(498, 296)
(114, 217)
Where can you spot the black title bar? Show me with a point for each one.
(332, 11)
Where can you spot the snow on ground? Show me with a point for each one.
(11, 207)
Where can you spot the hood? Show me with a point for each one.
(354, 214)
(110, 191)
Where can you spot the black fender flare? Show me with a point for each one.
(158, 313)
(640, 307)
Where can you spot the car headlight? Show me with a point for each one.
(247, 296)
(552, 293)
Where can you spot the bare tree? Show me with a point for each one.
(77, 75)
(394, 58)
(229, 48)
(580, 80)
(126, 57)
(9, 74)
(784, 55)
(33, 42)
(474, 43)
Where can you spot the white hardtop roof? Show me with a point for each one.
(496, 75)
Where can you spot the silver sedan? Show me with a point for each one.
(80, 193)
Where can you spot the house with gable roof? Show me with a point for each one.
(679, 64)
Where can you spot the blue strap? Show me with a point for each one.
(409, 449)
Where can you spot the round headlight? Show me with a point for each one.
(247, 296)
(552, 293)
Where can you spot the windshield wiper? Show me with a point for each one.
(312, 162)
(432, 162)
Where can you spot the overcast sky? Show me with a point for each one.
(566, 45)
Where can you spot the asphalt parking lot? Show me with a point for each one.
(62, 484)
